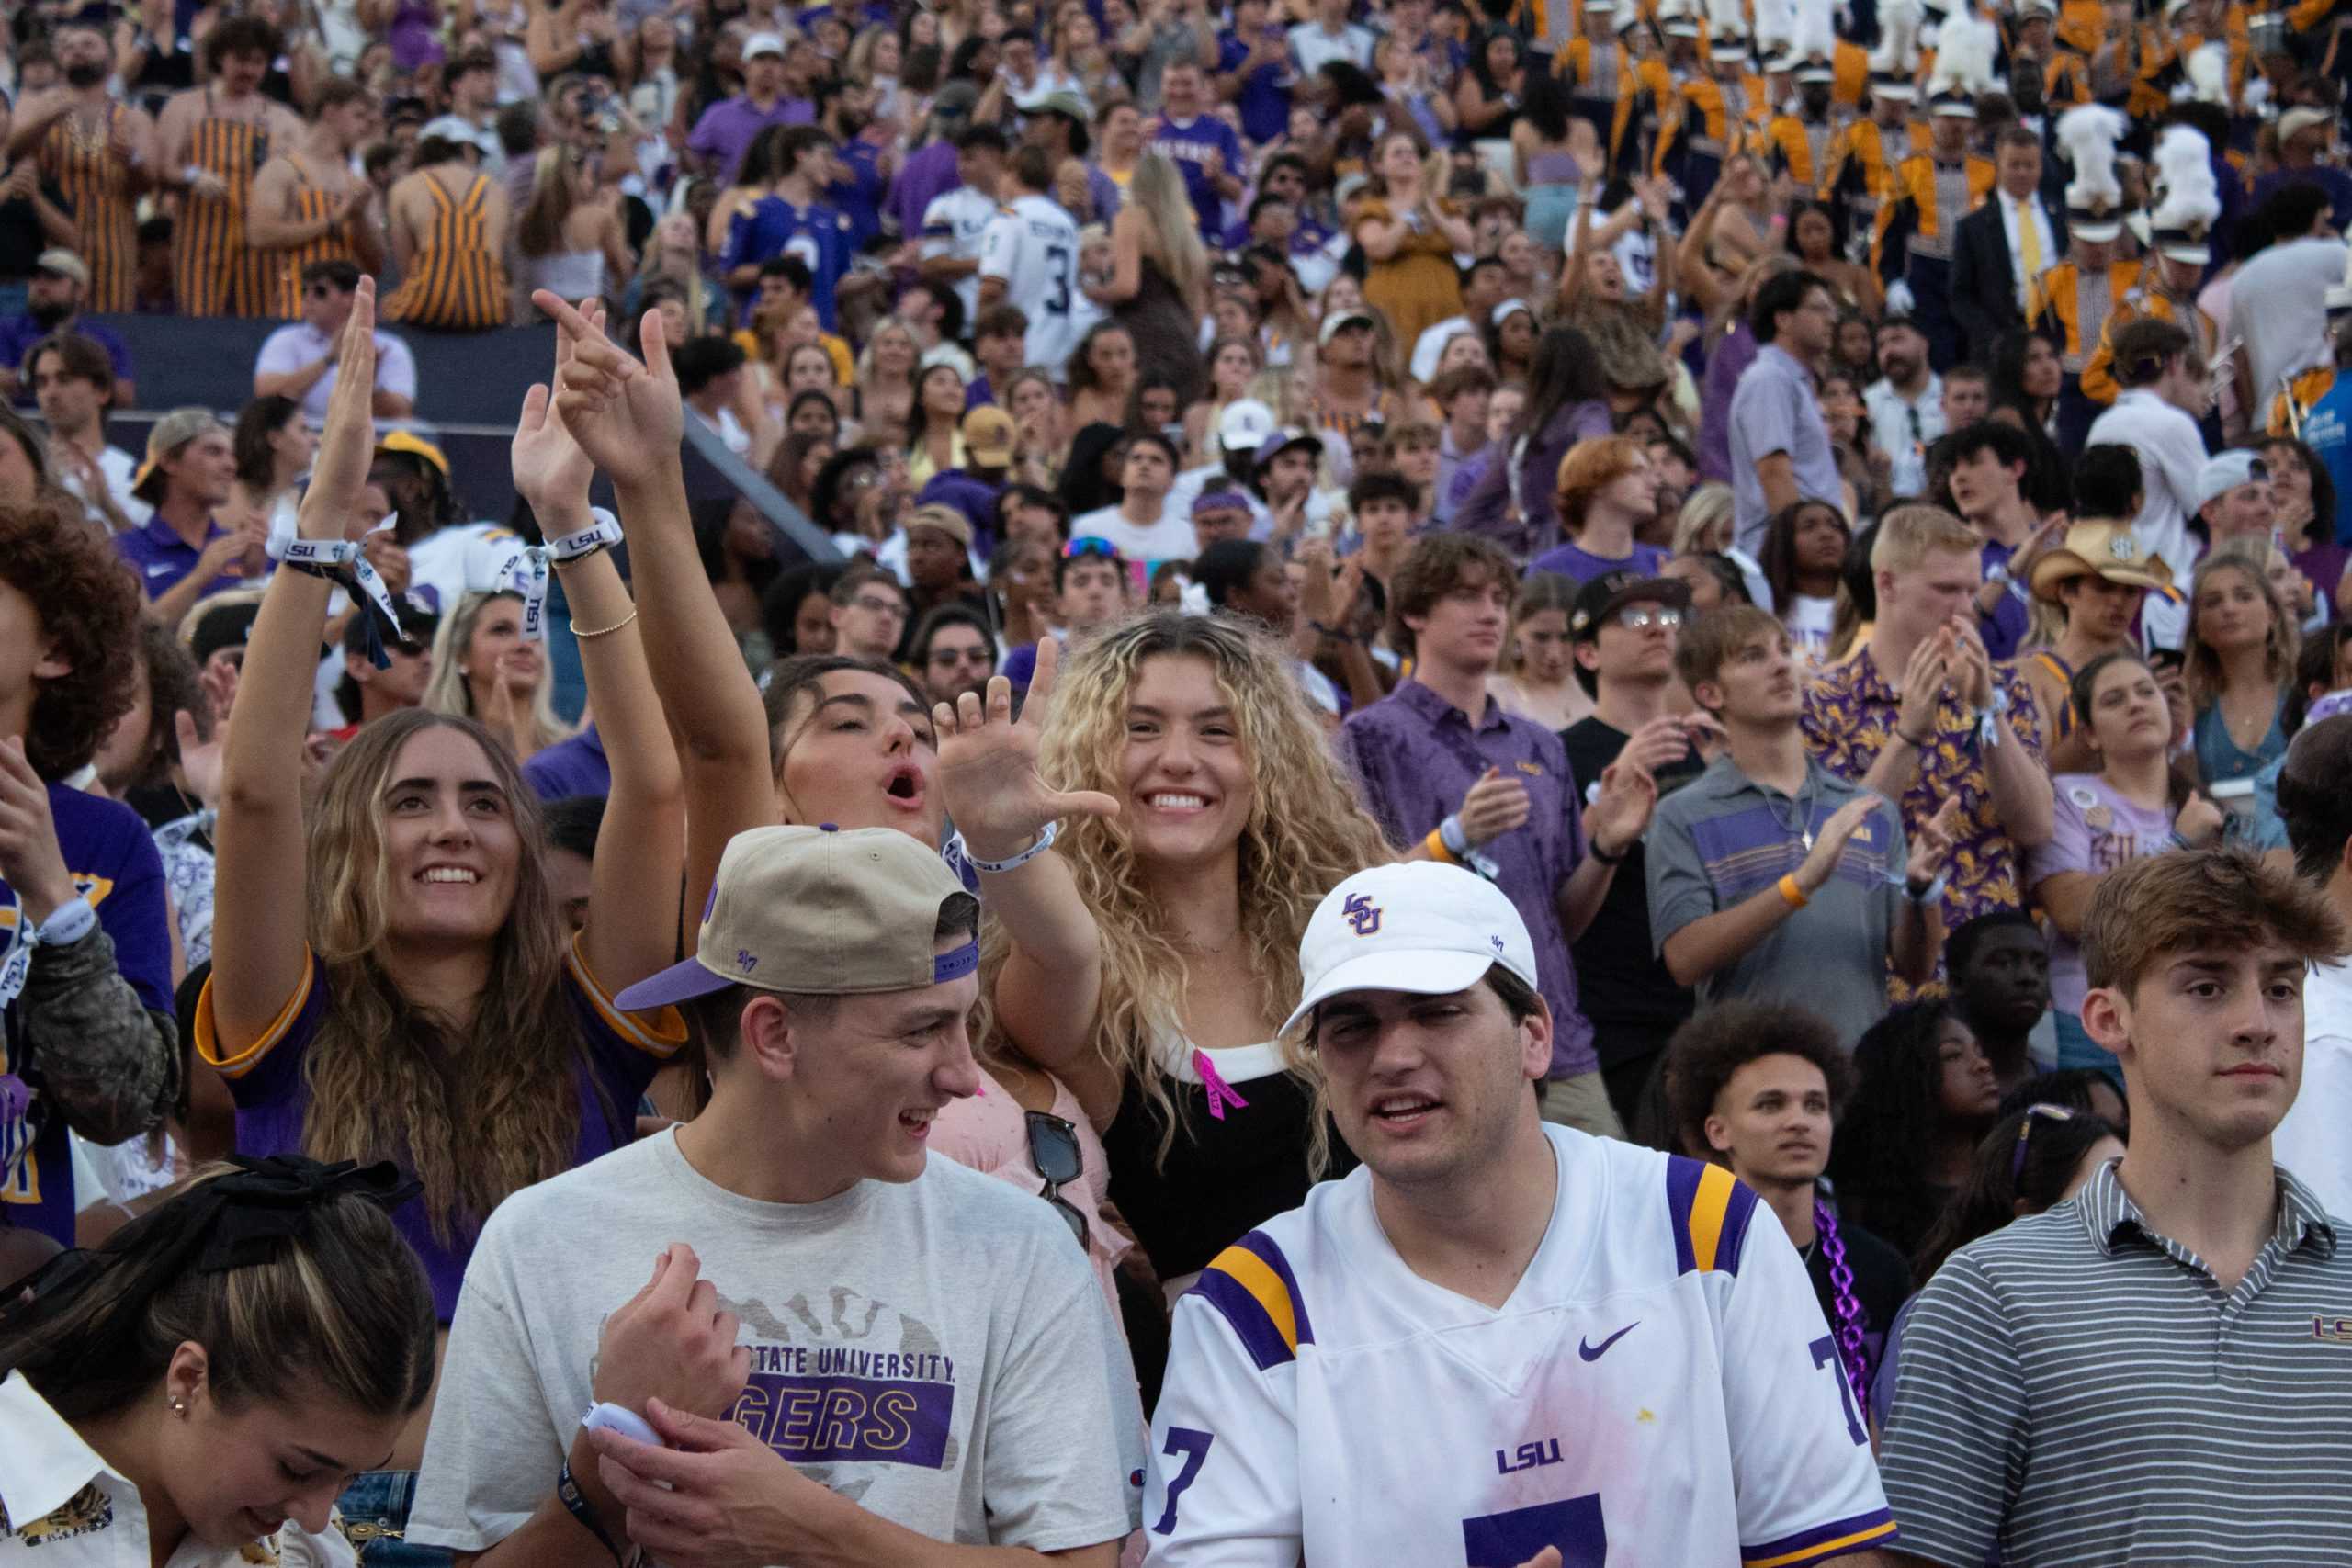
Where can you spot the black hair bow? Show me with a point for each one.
(264, 1201)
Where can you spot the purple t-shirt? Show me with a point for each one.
(18, 334)
(1573, 561)
(1731, 359)
(574, 765)
(1193, 145)
(2005, 630)
(2093, 829)
(924, 178)
(621, 1053)
(726, 128)
(1415, 755)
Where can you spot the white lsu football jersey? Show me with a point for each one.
(1033, 246)
(1659, 1391)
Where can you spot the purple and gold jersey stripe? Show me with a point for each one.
(1711, 1209)
(1250, 1283)
(1875, 1529)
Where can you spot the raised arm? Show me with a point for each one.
(259, 949)
(1049, 989)
(624, 412)
(642, 846)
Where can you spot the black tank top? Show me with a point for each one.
(1223, 1176)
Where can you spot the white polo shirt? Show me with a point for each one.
(2311, 1141)
(62, 1507)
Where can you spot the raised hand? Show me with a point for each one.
(1494, 805)
(1620, 812)
(988, 766)
(2200, 821)
(1662, 742)
(199, 760)
(1972, 668)
(551, 472)
(1932, 842)
(1829, 844)
(1547, 1558)
(624, 412)
(30, 860)
(673, 1341)
(331, 509)
(1923, 685)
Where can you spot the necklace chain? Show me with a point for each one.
(1846, 1308)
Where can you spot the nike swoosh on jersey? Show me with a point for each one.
(1592, 1352)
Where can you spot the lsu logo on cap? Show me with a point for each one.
(1361, 913)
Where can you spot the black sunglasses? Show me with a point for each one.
(1053, 1150)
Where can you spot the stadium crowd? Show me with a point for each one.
(1469, 642)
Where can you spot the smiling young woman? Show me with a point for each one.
(1149, 957)
(391, 969)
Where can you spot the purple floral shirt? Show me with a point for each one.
(1415, 755)
(1850, 713)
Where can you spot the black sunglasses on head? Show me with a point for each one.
(1053, 1150)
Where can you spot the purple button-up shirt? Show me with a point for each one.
(162, 561)
(726, 128)
(1415, 756)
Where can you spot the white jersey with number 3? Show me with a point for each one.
(1033, 246)
(1659, 1391)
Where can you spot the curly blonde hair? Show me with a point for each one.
(1300, 840)
(387, 1078)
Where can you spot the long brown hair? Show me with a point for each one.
(388, 1079)
(2280, 644)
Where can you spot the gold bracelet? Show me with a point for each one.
(602, 631)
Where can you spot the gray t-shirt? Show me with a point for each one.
(937, 1351)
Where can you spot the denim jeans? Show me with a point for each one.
(375, 1513)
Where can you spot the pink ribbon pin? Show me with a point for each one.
(1219, 1091)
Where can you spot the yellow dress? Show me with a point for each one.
(1417, 287)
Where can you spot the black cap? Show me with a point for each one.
(1603, 596)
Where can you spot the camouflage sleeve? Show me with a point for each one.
(106, 1061)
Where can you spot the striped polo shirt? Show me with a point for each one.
(2076, 1389)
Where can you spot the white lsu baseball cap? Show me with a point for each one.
(1421, 928)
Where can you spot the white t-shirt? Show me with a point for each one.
(1169, 539)
(937, 1350)
(1033, 246)
(1810, 622)
(2278, 309)
(300, 345)
(2312, 1142)
(1660, 1389)
(118, 467)
(953, 226)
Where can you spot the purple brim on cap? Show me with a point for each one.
(678, 983)
(684, 982)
